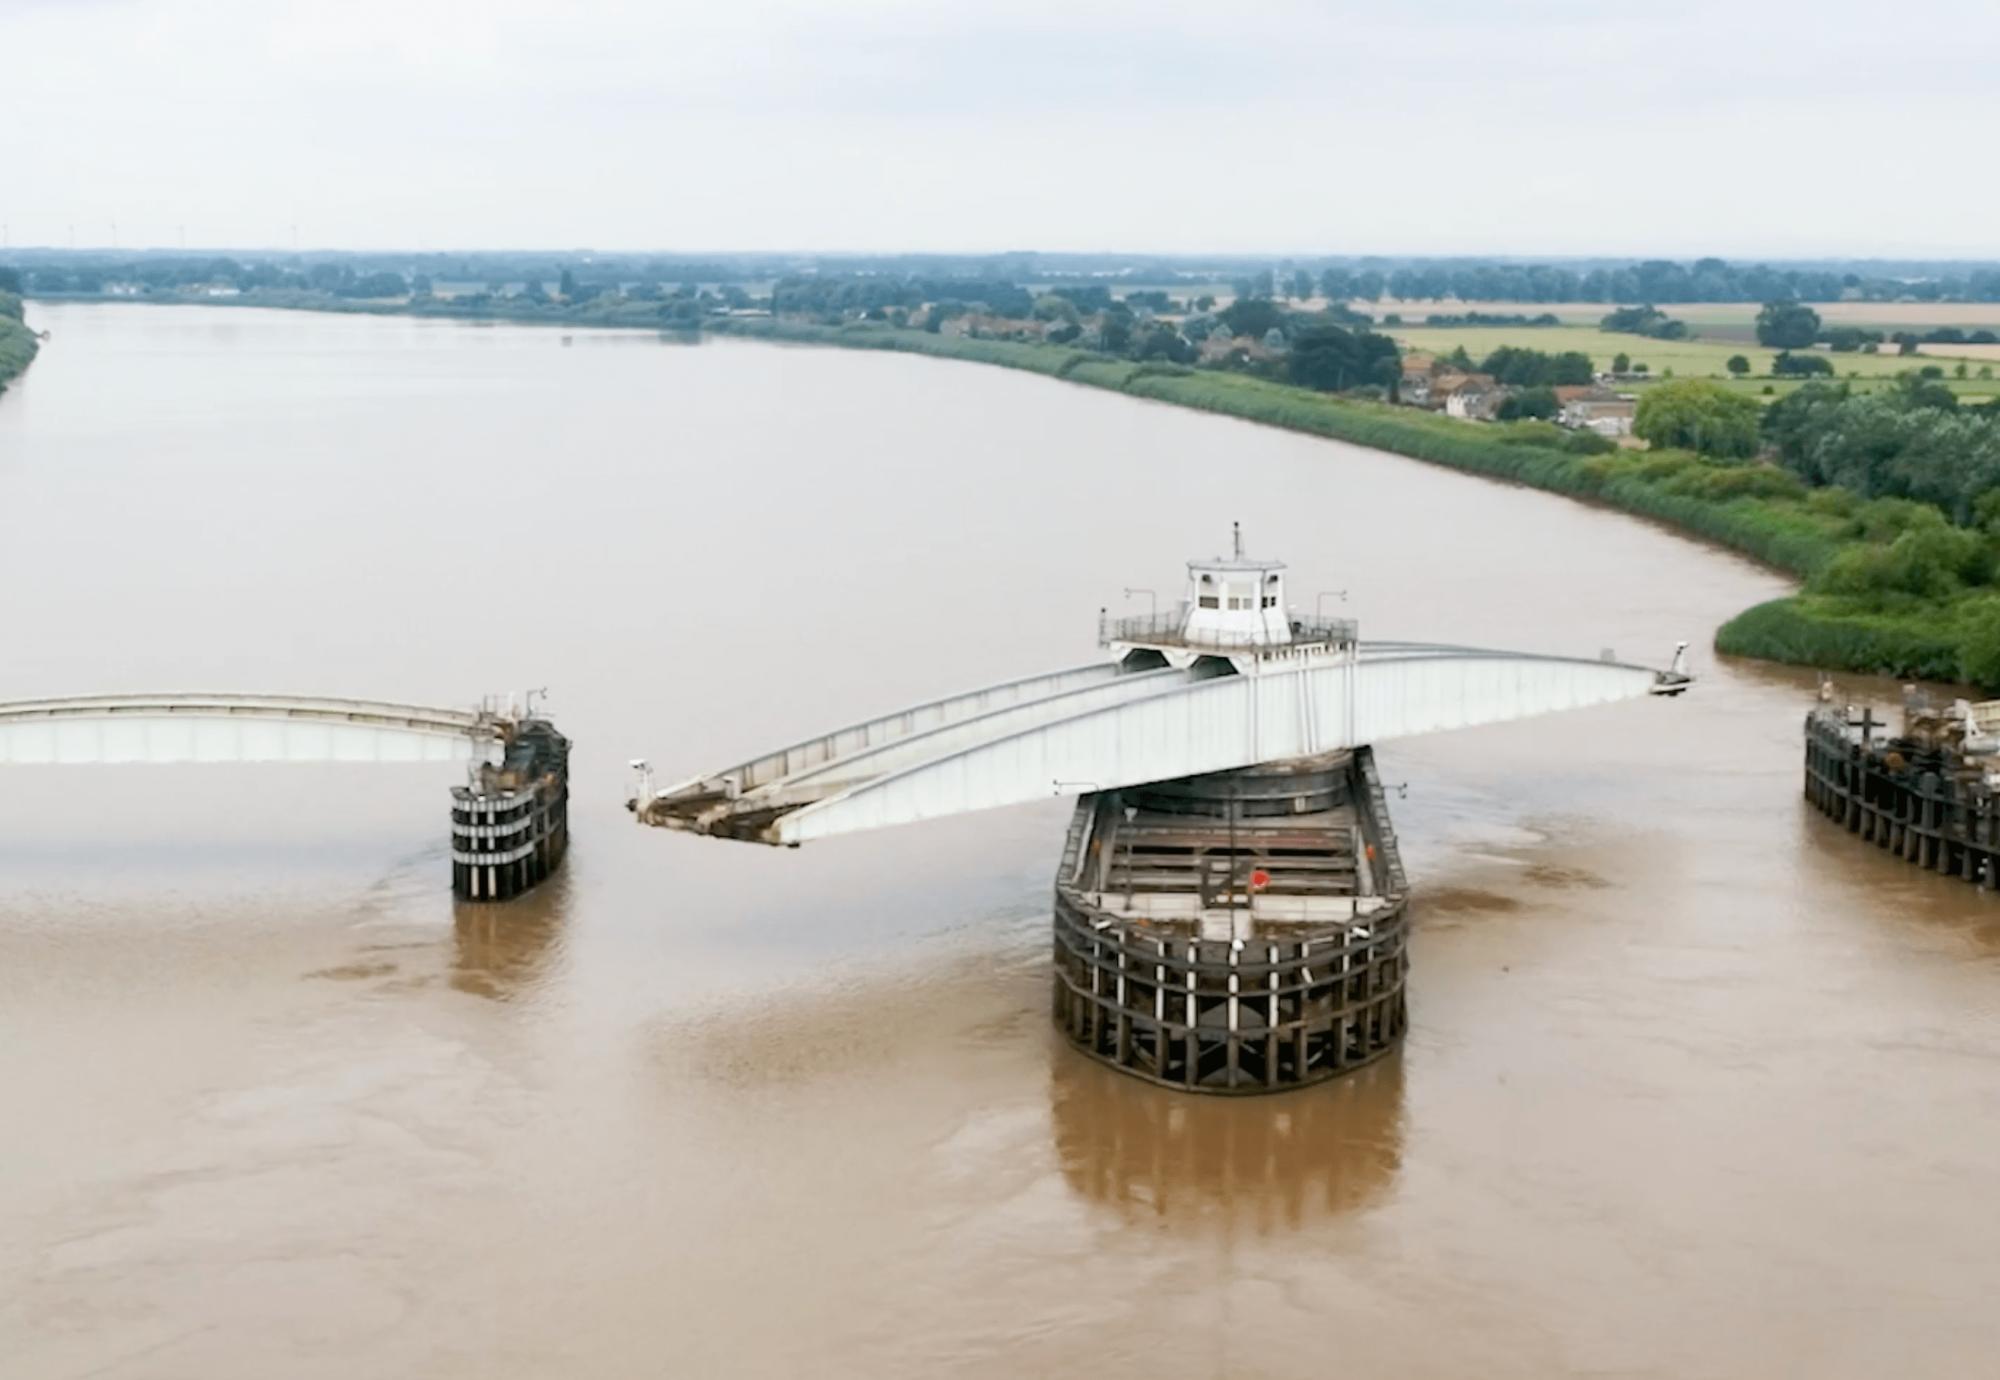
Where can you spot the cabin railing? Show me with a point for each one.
(1165, 629)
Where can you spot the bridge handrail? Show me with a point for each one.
(207, 704)
(1406, 651)
(1165, 627)
(782, 755)
(1145, 680)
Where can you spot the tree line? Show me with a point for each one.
(1337, 277)
(1653, 280)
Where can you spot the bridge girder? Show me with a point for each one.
(1127, 729)
(170, 728)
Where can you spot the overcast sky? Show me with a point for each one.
(1510, 126)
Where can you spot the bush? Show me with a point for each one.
(1929, 561)
(1833, 502)
(1589, 443)
(1814, 632)
(1885, 519)
(1532, 433)
(1660, 465)
(1721, 483)
(1979, 648)
(1789, 365)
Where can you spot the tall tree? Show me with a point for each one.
(1694, 414)
(1331, 358)
(1787, 325)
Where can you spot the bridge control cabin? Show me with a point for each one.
(1234, 610)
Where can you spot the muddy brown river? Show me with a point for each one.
(1696, 1085)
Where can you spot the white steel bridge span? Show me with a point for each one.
(196, 727)
(1128, 722)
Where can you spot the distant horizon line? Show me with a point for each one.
(1164, 256)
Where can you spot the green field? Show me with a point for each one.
(1720, 320)
(1697, 358)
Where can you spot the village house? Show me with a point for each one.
(1223, 348)
(1589, 407)
(984, 326)
(1470, 397)
(1414, 388)
(1475, 402)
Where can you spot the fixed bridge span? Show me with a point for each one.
(183, 727)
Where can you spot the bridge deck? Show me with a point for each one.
(1103, 727)
(212, 727)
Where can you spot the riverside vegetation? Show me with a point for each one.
(1877, 503)
(17, 342)
(1859, 503)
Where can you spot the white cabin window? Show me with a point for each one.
(1209, 601)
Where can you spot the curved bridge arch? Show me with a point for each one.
(1116, 729)
(202, 727)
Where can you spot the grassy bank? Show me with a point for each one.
(1923, 643)
(1759, 511)
(17, 342)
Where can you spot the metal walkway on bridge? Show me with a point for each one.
(185, 727)
(1229, 681)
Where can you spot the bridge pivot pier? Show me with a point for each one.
(510, 821)
(1241, 932)
(1230, 905)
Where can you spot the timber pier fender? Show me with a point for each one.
(1237, 933)
(1931, 796)
(1230, 910)
(510, 821)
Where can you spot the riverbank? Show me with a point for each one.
(17, 343)
(1757, 511)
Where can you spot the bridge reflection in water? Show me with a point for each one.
(510, 954)
(1234, 1165)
